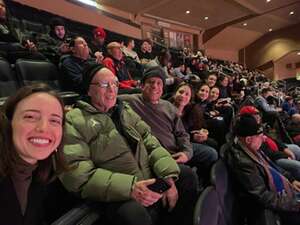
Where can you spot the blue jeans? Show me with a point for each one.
(292, 166)
(204, 156)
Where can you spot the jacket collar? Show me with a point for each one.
(88, 107)
(244, 148)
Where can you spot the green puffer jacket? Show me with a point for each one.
(104, 167)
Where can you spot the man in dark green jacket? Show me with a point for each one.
(115, 157)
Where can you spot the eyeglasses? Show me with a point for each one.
(106, 85)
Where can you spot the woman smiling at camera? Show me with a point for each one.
(30, 136)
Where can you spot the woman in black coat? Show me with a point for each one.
(30, 141)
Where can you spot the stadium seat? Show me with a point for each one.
(229, 139)
(8, 83)
(221, 180)
(33, 71)
(81, 215)
(35, 27)
(207, 209)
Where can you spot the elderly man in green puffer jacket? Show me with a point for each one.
(114, 157)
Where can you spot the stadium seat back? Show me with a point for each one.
(34, 71)
(207, 209)
(34, 27)
(8, 83)
(223, 184)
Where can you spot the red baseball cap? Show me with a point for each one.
(248, 110)
(99, 31)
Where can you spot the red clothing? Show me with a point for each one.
(272, 144)
(124, 84)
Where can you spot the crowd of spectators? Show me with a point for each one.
(144, 115)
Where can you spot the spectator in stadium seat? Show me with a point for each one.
(270, 113)
(180, 70)
(128, 50)
(284, 155)
(265, 190)
(219, 106)
(163, 60)
(288, 106)
(192, 116)
(145, 53)
(165, 123)
(223, 84)
(215, 123)
(116, 64)
(211, 79)
(12, 46)
(72, 66)
(116, 157)
(293, 128)
(132, 59)
(30, 141)
(97, 44)
(262, 103)
(56, 43)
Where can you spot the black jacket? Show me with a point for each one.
(10, 210)
(253, 189)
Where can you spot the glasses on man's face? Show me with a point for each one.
(105, 84)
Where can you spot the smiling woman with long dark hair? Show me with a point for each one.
(31, 130)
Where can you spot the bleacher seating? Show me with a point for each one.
(217, 203)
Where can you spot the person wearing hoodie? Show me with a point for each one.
(56, 43)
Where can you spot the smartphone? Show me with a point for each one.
(67, 40)
(159, 186)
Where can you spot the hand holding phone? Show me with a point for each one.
(142, 194)
(159, 186)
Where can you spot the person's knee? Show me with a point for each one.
(205, 153)
(295, 149)
(133, 213)
(213, 156)
(188, 179)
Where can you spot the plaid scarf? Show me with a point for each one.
(276, 181)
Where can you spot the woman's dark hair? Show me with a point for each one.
(181, 85)
(188, 106)
(221, 78)
(8, 154)
(148, 40)
(127, 41)
(199, 86)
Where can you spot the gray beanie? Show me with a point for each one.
(155, 71)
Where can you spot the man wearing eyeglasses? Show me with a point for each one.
(115, 158)
(267, 194)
